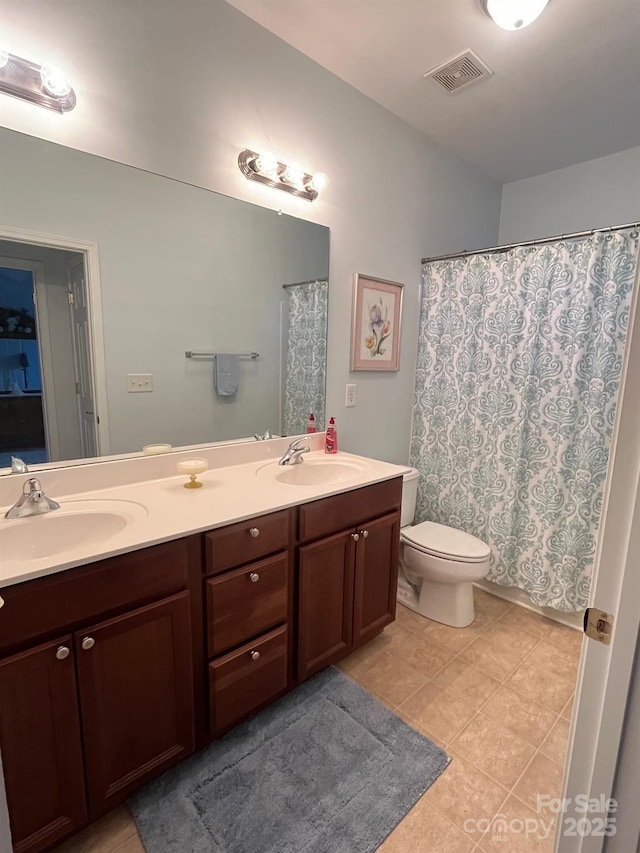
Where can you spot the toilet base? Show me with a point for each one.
(450, 604)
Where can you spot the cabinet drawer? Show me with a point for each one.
(239, 683)
(331, 515)
(243, 603)
(246, 541)
(65, 600)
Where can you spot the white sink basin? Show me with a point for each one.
(317, 472)
(75, 524)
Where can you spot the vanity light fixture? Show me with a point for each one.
(514, 14)
(267, 169)
(45, 86)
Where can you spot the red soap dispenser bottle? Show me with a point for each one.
(311, 424)
(331, 439)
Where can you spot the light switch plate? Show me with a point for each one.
(350, 396)
(138, 383)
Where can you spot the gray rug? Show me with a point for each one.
(326, 769)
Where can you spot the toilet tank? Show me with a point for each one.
(409, 495)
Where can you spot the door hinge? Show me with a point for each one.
(71, 298)
(598, 625)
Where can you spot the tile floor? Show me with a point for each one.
(497, 696)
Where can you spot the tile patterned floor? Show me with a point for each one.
(497, 695)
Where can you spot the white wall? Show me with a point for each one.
(181, 88)
(588, 195)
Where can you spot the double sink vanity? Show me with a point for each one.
(141, 620)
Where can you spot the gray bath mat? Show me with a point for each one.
(326, 769)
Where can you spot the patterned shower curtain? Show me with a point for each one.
(306, 356)
(519, 363)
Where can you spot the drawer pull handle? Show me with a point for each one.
(62, 652)
(355, 536)
(255, 532)
(88, 643)
(255, 655)
(254, 577)
(365, 533)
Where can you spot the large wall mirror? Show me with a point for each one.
(110, 276)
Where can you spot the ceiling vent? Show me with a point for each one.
(460, 72)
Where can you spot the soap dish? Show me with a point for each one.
(192, 467)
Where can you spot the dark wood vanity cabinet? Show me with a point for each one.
(113, 672)
(346, 581)
(103, 707)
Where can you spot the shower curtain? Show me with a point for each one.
(306, 356)
(519, 363)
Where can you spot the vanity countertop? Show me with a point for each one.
(162, 509)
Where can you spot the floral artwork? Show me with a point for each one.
(377, 309)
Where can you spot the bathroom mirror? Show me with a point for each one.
(110, 275)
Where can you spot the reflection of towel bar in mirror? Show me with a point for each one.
(197, 354)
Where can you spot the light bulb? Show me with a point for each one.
(294, 174)
(4, 57)
(267, 163)
(319, 182)
(515, 14)
(55, 82)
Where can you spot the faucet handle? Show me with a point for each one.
(32, 488)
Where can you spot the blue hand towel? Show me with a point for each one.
(227, 373)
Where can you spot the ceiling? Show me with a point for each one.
(565, 90)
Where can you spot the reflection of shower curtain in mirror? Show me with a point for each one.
(519, 362)
(306, 363)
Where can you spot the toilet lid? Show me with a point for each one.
(447, 542)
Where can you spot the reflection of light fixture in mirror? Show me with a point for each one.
(47, 87)
(264, 167)
(514, 14)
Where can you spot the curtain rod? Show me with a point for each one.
(300, 283)
(541, 241)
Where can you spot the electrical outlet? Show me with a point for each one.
(138, 383)
(350, 396)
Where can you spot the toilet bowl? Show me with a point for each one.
(438, 564)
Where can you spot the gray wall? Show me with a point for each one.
(227, 84)
(588, 195)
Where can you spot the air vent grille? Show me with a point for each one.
(461, 71)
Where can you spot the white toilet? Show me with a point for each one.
(438, 564)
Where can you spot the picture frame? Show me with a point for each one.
(376, 323)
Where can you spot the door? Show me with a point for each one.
(135, 679)
(325, 601)
(82, 359)
(41, 745)
(376, 577)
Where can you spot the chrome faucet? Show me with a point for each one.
(263, 436)
(293, 453)
(32, 501)
(18, 466)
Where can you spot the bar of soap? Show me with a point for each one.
(192, 466)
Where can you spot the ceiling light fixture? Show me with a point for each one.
(45, 86)
(267, 169)
(514, 14)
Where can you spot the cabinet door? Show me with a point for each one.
(135, 678)
(325, 596)
(376, 577)
(40, 743)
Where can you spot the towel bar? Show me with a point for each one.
(199, 354)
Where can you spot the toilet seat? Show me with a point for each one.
(447, 543)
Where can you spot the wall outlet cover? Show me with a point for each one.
(350, 396)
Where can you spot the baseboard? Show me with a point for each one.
(520, 597)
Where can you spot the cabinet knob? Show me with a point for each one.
(355, 536)
(62, 652)
(365, 533)
(254, 577)
(88, 643)
(255, 532)
(255, 655)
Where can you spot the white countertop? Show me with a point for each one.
(166, 510)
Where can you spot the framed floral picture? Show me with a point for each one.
(375, 331)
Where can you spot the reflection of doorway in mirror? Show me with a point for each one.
(60, 423)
